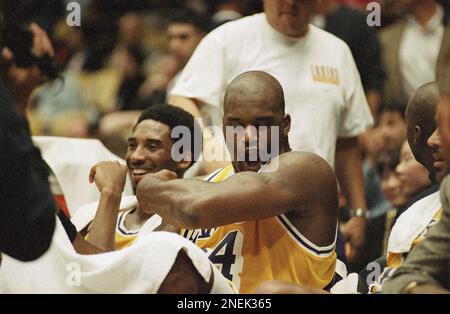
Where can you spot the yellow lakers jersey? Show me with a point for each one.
(252, 252)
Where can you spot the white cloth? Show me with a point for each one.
(413, 222)
(71, 160)
(419, 50)
(140, 268)
(322, 86)
(86, 214)
(347, 285)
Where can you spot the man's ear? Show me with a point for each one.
(185, 162)
(417, 134)
(286, 125)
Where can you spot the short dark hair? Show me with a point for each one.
(388, 162)
(172, 117)
(393, 106)
(200, 21)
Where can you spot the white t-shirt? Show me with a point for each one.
(322, 86)
(419, 50)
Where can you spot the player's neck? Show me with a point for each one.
(140, 217)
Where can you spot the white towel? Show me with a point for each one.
(140, 268)
(71, 160)
(347, 285)
(86, 213)
(413, 222)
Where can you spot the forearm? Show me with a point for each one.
(102, 233)
(374, 100)
(84, 247)
(193, 204)
(187, 104)
(349, 172)
(172, 200)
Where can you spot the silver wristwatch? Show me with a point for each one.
(359, 212)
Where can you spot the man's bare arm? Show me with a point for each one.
(349, 173)
(302, 180)
(102, 232)
(84, 247)
(109, 178)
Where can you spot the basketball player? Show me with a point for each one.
(258, 220)
(149, 150)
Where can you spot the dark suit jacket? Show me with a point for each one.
(27, 208)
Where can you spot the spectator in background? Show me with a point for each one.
(184, 32)
(387, 137)
(395, 200)
(185, 29)
(411, 46)
(129, 60)
(401, 186)
(350, 25)
(45, 13)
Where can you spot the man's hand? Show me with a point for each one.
(164, 175)
(41, 43)
(354, 232)
(109, 176)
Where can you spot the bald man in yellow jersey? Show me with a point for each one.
(272, 219)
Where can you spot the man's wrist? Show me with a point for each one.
(111, 192)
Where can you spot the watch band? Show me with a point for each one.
(359, 212)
